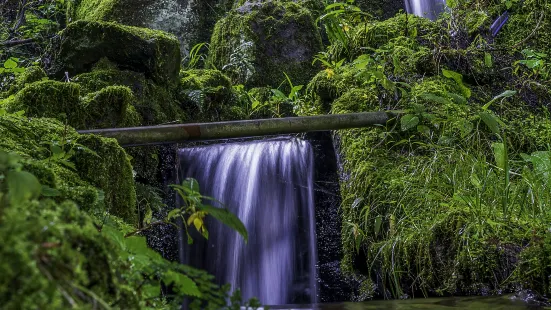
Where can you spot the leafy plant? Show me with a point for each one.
(195, 56)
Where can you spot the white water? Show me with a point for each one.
(269, 186)
(425, 8)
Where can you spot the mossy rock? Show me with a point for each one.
(82, 44)
(64, 258)
(109, 107)
(110, 170)
(257, 43)
(94, 172)
(208, 95)
(381, 8)
(154, 103)
(191, 22)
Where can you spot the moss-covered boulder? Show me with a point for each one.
(82, 44)
(155, 103)
(257, 43)
(94, 172)
(190, 21)
(65, 260)
(208, 95)
(106, 108)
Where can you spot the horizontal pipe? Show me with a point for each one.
(238, 129)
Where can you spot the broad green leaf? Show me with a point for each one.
(22, 186)
(500, 155)
(435, 98)
(422, 129)
(10, 64)
(458, 78)
(541, 161)
(182, 283)
(409, 121)
(505, 94)
(227, 218)
(491, 121)
(151, 291)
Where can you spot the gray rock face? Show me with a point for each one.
(191, 21)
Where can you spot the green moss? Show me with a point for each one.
(82, 44)
(208, 95)
(101, 166)
(111, 107)
(382, 9)
(154, 103)
(257, 44)
(30, 75)
(106, 108)
(63, 257)
(110, 170)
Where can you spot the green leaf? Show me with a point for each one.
(50, 192)
(151, 291)
(500, 155)
(435, 98)
(227, 218)
(10, 64)
(408, 121)
(377, 224)
(22, 186)
(182, 283)
(458, 78)
(491, 121)
(422, 129)
(452, 3)
(488, 60)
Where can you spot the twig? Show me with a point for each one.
(20, 16)
(531, 34)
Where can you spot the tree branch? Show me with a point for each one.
(12, 43)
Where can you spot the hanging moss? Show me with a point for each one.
(256, 43)
(82, 44)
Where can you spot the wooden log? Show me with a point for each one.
(178, 133)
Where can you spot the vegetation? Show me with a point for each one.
(451, 198)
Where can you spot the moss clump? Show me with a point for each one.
(109, 107)
(382, 9)
(63, 257)
(110, 170)
(82, 44)
(208, 95)
(154, 102)
(79, 167)
(256, 43)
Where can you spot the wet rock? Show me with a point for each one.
(82, 44)
(190, 21)
(258, 42)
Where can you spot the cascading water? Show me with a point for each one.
(425, 8)
(269, 186)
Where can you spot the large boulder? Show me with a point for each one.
(191, 21)
(82, 44)
(257, 43)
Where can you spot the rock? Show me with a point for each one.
(190, 21)
(257, 43)
(109, 107)
(82, 44)
(381, 8)
(92, 171)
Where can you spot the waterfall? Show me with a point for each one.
(269, 186)
(425, 8)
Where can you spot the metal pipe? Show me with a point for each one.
(238, 129)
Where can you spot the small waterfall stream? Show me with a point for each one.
(269, 186)
(425, 8)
